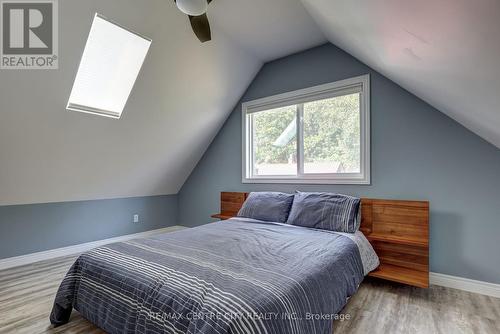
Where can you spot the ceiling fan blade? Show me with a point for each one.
(201, 27)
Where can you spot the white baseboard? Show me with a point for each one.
(484, 288)
(22, 260)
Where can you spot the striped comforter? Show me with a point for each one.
(237, 276)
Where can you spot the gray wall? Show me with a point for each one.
(417, 153)
(32, 228)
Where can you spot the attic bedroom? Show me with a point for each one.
(279, 166)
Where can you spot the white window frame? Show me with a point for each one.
(359, 84)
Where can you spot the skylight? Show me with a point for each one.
(111, 61)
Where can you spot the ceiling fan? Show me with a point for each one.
(197, 12)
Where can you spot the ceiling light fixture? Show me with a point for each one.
(192, 7)
(196, 10)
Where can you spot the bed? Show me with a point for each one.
(235, 276)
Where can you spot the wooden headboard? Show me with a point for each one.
(398, 231)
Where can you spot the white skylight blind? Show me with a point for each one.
(110, 64)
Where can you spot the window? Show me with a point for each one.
(314, 135)
(110, 64)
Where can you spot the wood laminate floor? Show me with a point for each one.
(27, 293)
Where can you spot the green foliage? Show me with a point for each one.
(331, 133)
(268, 127)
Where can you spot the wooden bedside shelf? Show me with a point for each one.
(230, 204)
(412, 241)
(399, 234)
(402, 275)
(222, 216)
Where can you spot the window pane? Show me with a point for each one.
(332, 135)
(274, 141)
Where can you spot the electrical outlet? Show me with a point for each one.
(136, 218)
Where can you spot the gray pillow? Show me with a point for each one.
(327, 211)
(267, 206)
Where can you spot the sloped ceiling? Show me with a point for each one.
(269, 29)
(183, 94)
(446, 52)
